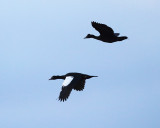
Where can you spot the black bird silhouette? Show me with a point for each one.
(106, 33)
(74, 81)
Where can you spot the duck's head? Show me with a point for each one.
(89, 36)
(54, 78)
(57, 77)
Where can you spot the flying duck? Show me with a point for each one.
(74, 81)
(106, 33)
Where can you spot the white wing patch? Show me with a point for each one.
(67, 80)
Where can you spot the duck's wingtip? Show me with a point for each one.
(93, 22)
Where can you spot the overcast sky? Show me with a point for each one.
(41, 38)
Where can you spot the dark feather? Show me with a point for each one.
(80, 85)
(103, 29)
(77, 83)
(66, 90)
(64, 94)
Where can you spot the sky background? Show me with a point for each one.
(41, 38)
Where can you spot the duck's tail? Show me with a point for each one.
(88, 77)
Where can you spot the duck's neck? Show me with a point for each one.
(92, 36)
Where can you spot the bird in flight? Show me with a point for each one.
(74, 81)
(106, 33)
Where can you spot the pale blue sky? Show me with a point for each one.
(41, 38)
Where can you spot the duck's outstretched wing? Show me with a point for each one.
(64, 94)
(66, 88)
(102, 29)
(80, 86)
(69, 83)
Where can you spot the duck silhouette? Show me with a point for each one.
(106, 33)
(74, 81)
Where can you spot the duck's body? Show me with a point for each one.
(106, 33)
(74, 81)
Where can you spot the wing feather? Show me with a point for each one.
(64, 94)
(102, 29)
(70, 84)
(80, 86)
